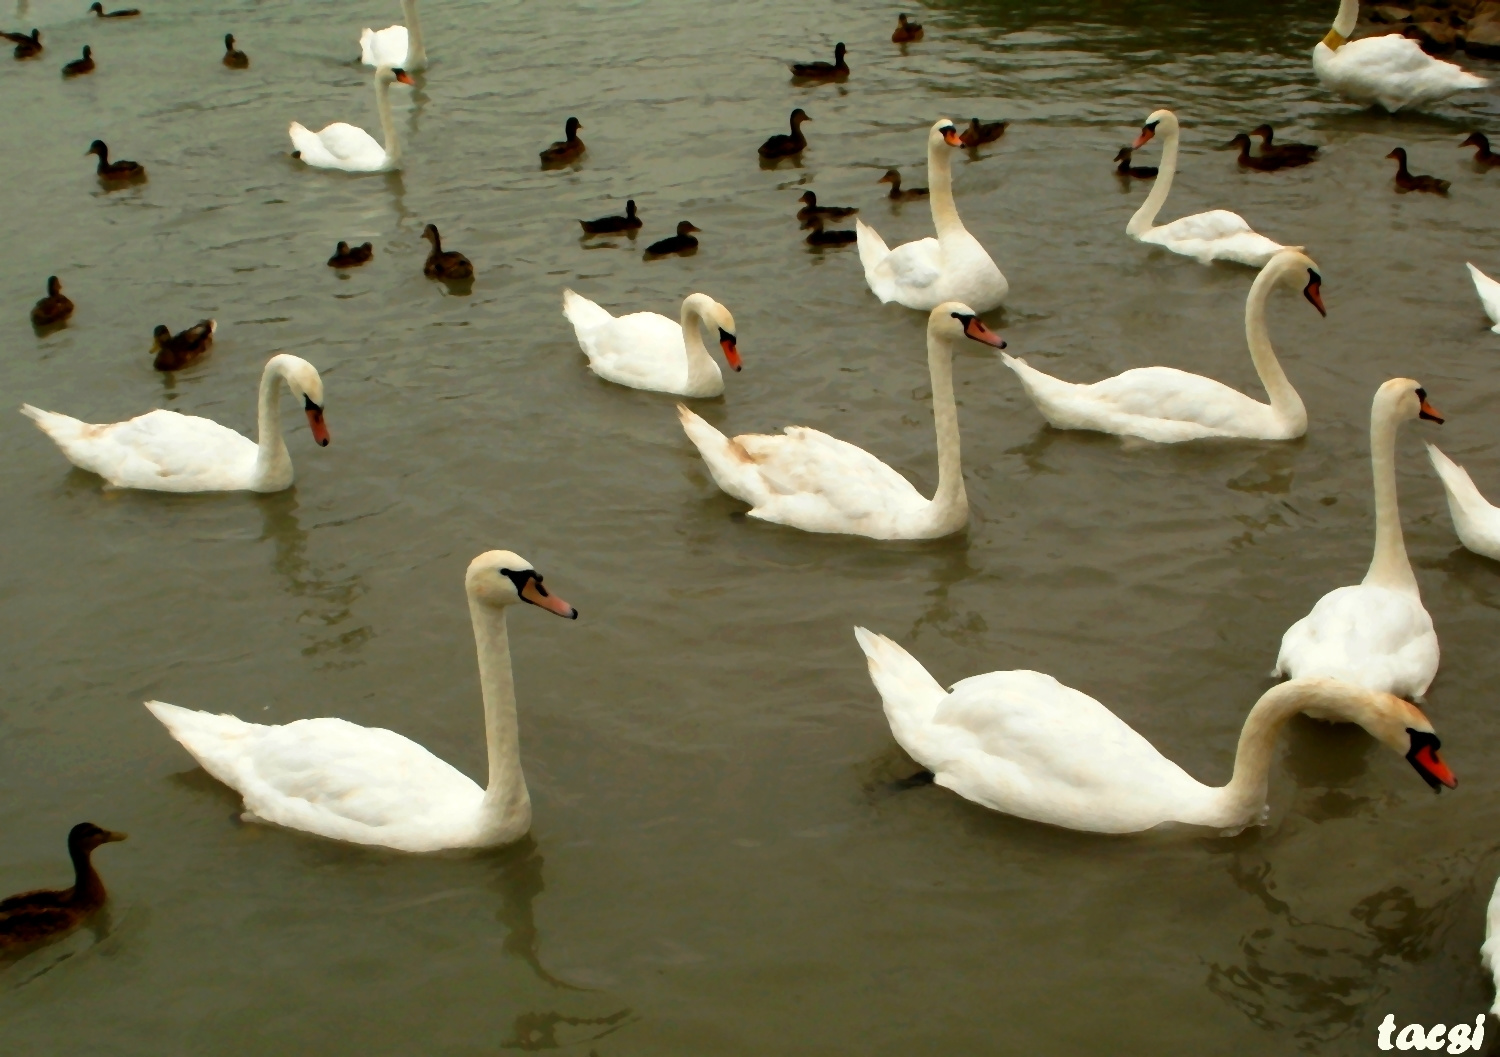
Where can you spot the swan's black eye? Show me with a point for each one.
(519, 578)
(965, 320)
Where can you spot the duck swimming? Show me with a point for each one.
(1482, 154)
(1264, 162)
(448, 265)
(128, 12)
(819, 237)
(982, 132)
(234, 59)
(174, 352)
(565, 150)
(54, 308)
(898, 194)
(784, 146)
(28, 47)
(80, 66)
(810, 209)
(682, 242)
(1405, 181)
(614, 225)
(1271, 149)
(906, 32)
(344, 257)
(117, 171)
(1139, 172)
(838, 69)
(48, 914)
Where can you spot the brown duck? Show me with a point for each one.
(27, 47)
(1264, 162)
(114, 170)
(614, 225)
(344, 257)
(173, 353)
(982, 132)
(1271, 149)
(906, 32)
(682, 242)
(447, 265)
(126, 12)
(784, 146)
(234, 58)
(1405, 181)
(899, 193)
(836, 70)
(1482, 153)
(565, 150)
(811, 209)
(819, 237)
(80, 66)
(1138, 172)
(33, 918)
(54, 308)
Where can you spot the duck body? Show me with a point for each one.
(1390, 71)
(52, 309)
(837, 70)
(174, 352)
(79, 67)
(614, 225)
(819, 237)
(897, 192)
(448, 265)
(784, 145)
(349, 148)
(1271, 149)
(127, 12)
(906, 32)
(164, 451)
(32, 918)
(28, 47)
(1476, 522)
(565, 150)
(1489, 295)
(1264, 162)
(810, 209)
(682, 242)
(1405, 181)
(931, 271)
(982, 132)
(646, 350)
(114, 171)
(345, 257)
(1482, 153)
(1135, 172)
(233, 58)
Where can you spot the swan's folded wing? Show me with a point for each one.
(386, 47)
(1474, 519)
(1167, 393)
(804, 462)
(180, 446)
(915, 265)
(348, 143)
(1489, 295)
(583, 313)
(1214, 224)
(1367, 635)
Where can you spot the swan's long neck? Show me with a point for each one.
(1389, 567)
(387, 123)
(950, 503)
(940, 186)
(416, 51)
(1284, 399)
(273, 463)
(700, 365)
(1343, 23)
(1145, 216)
(507, 804)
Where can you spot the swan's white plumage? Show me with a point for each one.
(384, 47)
(1489, 951)
(1489, 295)
(1474, 519)
(351, 149)
(646, 350)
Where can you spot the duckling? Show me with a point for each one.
(565, 150)
(819, 237)
(114, 170)
(80, 66)
(982, 132)
(899, 194)
(1125, 169)
(344, 257)
(175, 353)
(1483, 155)
(810, 209)
(128, 12)
(682, 242)
(906, 32)
(1264, 162)
(838, 69)
(28, 47)
(1271, 149)
(47, 914)
(1405, 181)
(784, 146)
(450, 266)
(614, 225)
(54, 308)
(235, 60)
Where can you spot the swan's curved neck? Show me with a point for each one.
(88, 889)
(1145, 216)
(950, 503)
(1343, 23)
(1284, 399)
(387, 124)
(416, 51)
(700, 365)
(273, 463)
(1390, 567)
(940, 187)
(506, 808)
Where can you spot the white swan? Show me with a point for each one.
(1489, 294)
(645, 350)
(817, 483)
(1391, 70)
(342, 146)
(1476, 521)
(368, 785)
(1167, 405)
(1374, 633)
(1489, 951)
(951, 267)
(394, 45)
(1217, 235)
(167, 452)
(1023, 743)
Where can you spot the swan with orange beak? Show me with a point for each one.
(646, 350)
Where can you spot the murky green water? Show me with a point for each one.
(717, 865)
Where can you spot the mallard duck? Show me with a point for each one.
(784, 146)
(838, 69)
(682, 242)
(114, 170)
(47, 914)
(898, 193)
(810, 209)
(1405, 181)
(54, 308)
(344, 257)
(1482, 153)
(614, 225)
(982, 132)
(450, 265)
(1271, 149)
(234, 59)
(1264, 162)
(128, 12)
(29, 47)
(80, 66)
(565, 150)
(16, 38)
(906, 32)
(1139, 172)
(819, 237)
(173, 353)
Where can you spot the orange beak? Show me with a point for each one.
(951, 137)
(1314, 294)
(1430, 763)
(537, 595)
(975, 328)
(319, 427)
(1430, 413)
(1144, 138)
(731, 350)
(404, 77)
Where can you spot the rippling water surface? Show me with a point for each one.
(717, 863)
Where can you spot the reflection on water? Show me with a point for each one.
(330, 597)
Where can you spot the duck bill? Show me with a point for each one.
(319, 427)
(111, 836)
(731, 350)
(974, 328)
(537, 595)
(1144, 138)
(1431, 767)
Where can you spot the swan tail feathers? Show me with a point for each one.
(63, 430)
(910, 694)
(216, 742)
(1465, 502)
(583, 313)
(732, 466)
(872, 248)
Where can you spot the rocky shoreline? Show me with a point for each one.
(1440, 26)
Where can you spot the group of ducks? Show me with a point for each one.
(1017, 742)
(29, 46)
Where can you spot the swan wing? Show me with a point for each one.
(339, 146)
(331, 777)
(1390, 70)
(906, 274)
(644, 350)
(908, 693)
(1215, 235)
(1475, 520)
(161, 450)
(386, 47)
(1489, 295)
(1367, 635)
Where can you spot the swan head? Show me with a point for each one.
(1403, 398)
(1157, 119)
(1290, 265)
(303, 380)
(387, 74)
(504, 578)
(954, 320)
(86, 836)
(943, 131)
(714, 314)
(1398, 724)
